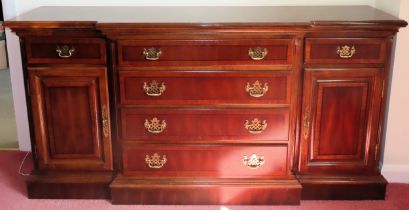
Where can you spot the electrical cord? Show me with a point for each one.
(22, 164)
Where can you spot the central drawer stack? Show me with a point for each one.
(218, 110)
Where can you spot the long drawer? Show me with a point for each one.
(204, 52)
(163, 88)
(198, 125)
(205, 161)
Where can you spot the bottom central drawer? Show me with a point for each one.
(205, 161)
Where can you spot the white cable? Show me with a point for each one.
(21, 166)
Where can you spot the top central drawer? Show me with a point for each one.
(204, 52)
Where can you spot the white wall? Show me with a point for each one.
(390, 6)
(16, 74)
(395, 165)
(396, 159)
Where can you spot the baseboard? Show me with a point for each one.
(396, 173)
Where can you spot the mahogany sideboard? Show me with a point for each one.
(206, 105)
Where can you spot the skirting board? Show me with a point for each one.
(396, 173)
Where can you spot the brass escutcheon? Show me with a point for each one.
(307, 122)
(255, 126)
(346, 51)
(253, 161)
(152, 54)
(259, 53)
(105, 122)
(154, 88)
(257, 89)
(155, 125)
(155, 161)
(65, 51)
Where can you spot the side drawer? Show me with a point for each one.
(163, 88)
(65, 50)
(205, 161)
(345, 51)
(204, 52)
(198, 125)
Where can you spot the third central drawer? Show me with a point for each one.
(209, 88)
(199, 125)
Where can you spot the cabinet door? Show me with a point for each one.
(71, 118)
(340, 121)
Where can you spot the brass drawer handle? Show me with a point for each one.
(155, 161)
(65, 51)
(255, 126)
(259, 53)
(253, 161)
(307, 122)
(155, 125)
(346, 51)
(105, 122)
(152, 54)
(154, 88)
(257, 89)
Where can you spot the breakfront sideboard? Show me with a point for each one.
(206, 105)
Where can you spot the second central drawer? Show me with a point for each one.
(164, 88)
(180, 125)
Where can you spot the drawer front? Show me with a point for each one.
(163, 88)
(204, 52)
(178, 125)
(65, 50)
(345, 51)
(205, 161)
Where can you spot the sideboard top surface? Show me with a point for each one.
(203, 16)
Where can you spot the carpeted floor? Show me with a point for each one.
(13, 196)
(8, 132)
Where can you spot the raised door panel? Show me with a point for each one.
(341, 114)
(71, 120)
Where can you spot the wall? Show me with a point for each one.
(390, 6)
(396, 159)
(13, 50)
(395, 155)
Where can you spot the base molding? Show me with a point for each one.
(205, 191)
(162, 191)
(342, 188)
(84, 185)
